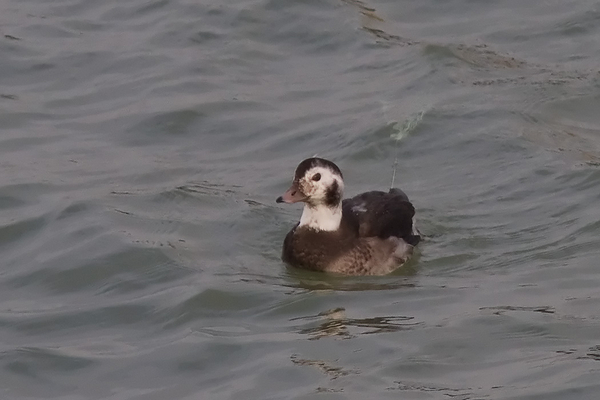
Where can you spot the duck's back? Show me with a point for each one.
(382, 215)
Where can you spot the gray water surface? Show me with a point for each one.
(142, 146)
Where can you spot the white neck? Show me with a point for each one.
(321, 218)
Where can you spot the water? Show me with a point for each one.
(143, 144)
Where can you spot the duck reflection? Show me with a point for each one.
(327, 368)
(335, 323)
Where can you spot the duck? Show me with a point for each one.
(373, 233)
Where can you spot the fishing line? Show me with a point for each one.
(394, 167)
(399, 132)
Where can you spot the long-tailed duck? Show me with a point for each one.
(370, 234)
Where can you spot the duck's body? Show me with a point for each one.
(369, 234)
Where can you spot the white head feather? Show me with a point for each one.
(323, 207)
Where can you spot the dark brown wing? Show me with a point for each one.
(382, 215)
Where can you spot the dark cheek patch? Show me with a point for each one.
(332, 197)
(304, 188)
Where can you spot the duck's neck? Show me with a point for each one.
(321, 217)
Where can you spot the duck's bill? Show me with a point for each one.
(292, 195)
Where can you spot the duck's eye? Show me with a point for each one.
(316, 177)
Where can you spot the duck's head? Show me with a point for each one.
(317, 182)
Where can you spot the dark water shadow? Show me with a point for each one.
(317, 281)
